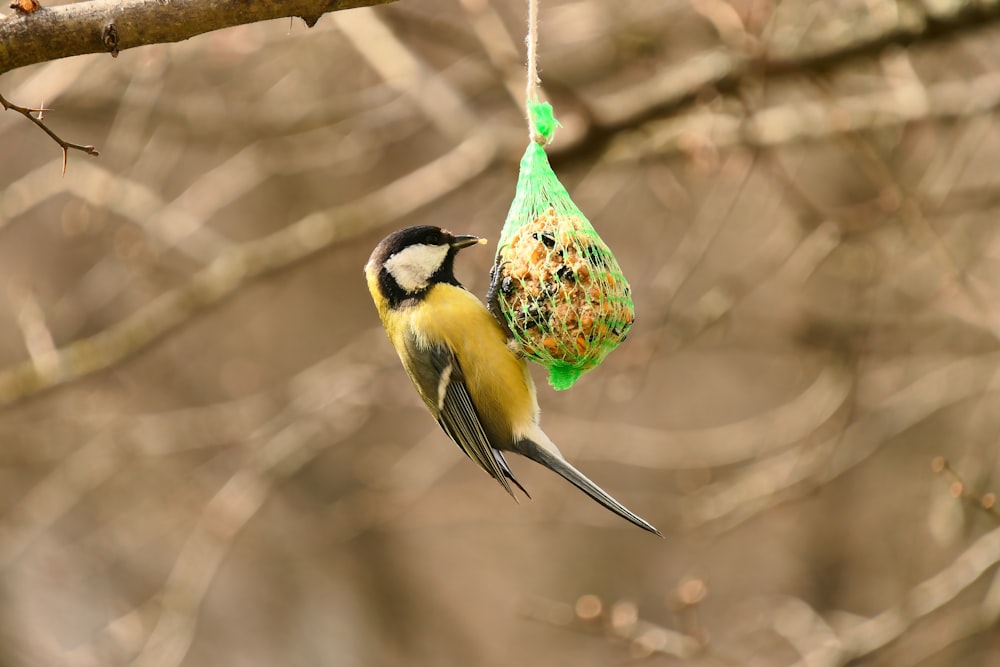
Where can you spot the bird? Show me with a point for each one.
(458, 356)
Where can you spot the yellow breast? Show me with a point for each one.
(495, 375)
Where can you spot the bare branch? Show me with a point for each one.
(112, 26)
(35, 116)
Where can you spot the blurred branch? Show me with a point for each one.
(758, 435)
(31, 320)
(916, 23)
(112, 26)
(236, 267)
(620, 621)
(317, 416)
(78, 474)
(405, 72)
(812, 121)
(959, 489)
(691, 249)
(799, 471)
(225, 515)
(326, 403)
(798, 623)
(930, 595)
(502, 50)
(897, 198)
(678, 88)
(176, 224)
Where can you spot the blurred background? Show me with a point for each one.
(210, 455)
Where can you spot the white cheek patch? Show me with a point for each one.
(413, 266)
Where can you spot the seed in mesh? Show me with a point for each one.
(546, 238)
(507, 285)
(558, 286)
(532, 316)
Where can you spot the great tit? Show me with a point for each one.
(457, 355)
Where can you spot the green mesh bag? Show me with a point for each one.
(555, 284)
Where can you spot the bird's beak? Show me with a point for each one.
(464, 241)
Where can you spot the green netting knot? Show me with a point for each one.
(543, 120)
(563, 375)
(555, 285)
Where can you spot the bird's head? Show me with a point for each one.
(408, 262)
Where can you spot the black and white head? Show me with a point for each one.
(410, 261)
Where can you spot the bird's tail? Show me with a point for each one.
(553, 461)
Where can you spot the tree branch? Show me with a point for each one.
(110, 26)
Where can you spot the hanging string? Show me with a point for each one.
(531, 91)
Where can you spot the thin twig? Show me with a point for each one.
(37, 120)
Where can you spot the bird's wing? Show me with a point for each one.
(439, 379)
